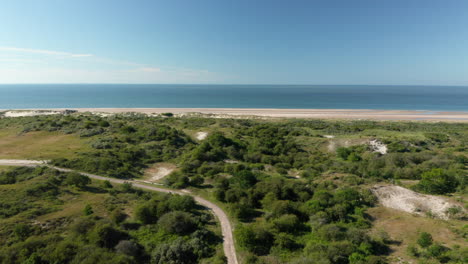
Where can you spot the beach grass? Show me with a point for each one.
(404, 229)
(4, 168)
(40, 145)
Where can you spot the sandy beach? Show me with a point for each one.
(353, 114)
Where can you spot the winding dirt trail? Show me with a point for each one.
(226, 229)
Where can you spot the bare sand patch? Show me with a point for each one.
(158, 171)
(23, 113)
(406, 200)
(294, 173)
(334, 143)
(378, 146)
(331, 146)
(201, 135)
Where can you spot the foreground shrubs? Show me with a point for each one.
(165, 228)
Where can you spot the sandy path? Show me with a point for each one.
(15, 162)
(226, 229)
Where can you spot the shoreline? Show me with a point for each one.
(346, 114)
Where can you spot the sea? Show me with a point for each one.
(432, 98)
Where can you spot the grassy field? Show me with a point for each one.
(4, 168)
(404, 229)
(39, 145)
(69, 204)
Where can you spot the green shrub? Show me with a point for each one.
(425, 239)
(76, 179)
(88, 210)
(437, 181)
(177, 223)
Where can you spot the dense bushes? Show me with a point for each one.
(127, 143)
(164, 228)
(437, 181)
(327, 218)
(121, 150)
(296, 194)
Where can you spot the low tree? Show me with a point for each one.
(254, 239)
(22, 231)
(181, 203)
(118, 216)
(244, 178)
(425, 239)
(145, 213)
(177, 252)
(287, 223)
(437, 181)
(106, 184)
(77, 180)
(197, 180)
(128, 247)
(177, 180)
(177, 222)
(106, 236)
(127, 187)
(343, 153)
(104, 123)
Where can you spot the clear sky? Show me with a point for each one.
(418, 42)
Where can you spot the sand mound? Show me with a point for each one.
(378, 146)
(21, 113)
(201, 135)
(29, 113)
(331, 146)
(402, 199)
(159, 171)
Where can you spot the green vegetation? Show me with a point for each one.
(433, 252)
(41, 145)
(293, 195)
(437, 181)
(48, 216)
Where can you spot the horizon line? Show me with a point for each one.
(232, 84)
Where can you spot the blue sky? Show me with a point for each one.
(406, 42)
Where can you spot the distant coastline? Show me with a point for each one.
(344, 114)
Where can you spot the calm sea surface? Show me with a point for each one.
(234, 96)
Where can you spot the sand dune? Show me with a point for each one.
(406, 200)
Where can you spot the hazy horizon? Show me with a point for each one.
(252, 84)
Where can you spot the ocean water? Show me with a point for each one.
(436, 98)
